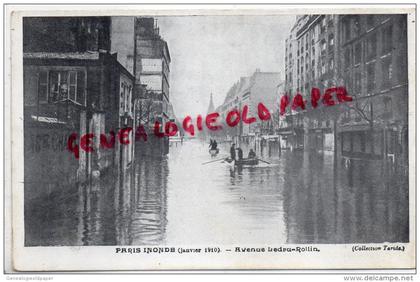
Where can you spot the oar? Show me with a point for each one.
(213, 161)
(263, 161)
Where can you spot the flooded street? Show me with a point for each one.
(299, 197)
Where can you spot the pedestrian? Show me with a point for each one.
(240, 153)
(251, 154)
(214, 144)
(232, 152)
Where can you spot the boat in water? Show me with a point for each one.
(242, 162)
(213, 152)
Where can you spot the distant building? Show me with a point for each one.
(152, 62)
(151, 68)
(122, 41)
(210, 108)
(260, 87)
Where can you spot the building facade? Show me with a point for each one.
(368, 55)
(373, 67)
(310, 61)
(75, 89)
(151, 68)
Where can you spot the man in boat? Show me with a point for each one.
(214, 146)
(240, 153)
(232, 152)
(251, 154)
(211, 143)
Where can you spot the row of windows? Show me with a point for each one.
(125, 98)
(354, 82)
(312, 34)
(55, 86)
(323, 47)
(370, 48)
(362, 143)
(352, 27)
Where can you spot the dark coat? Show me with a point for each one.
(232, 153)
(240, 154)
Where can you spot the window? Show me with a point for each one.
(313, 51)
(357, 143)
(357, 82)
(377, 143)
(80, 92)
(67, 85)
(357, 53)
(386, 73)
(43, 86)
(356, 26)
(387, 104)
(331, 39)
(347, 57)
(370, 77)
(370, 21)
(346, 142)
(371, 47)
(331, 63)
(323, 68)
(387, 40)
(348, 82)
(347, 30)
(72, 85)
(323, 24)
(323, 46)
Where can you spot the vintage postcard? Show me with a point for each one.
(210, 137)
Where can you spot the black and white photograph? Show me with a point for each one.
(218, 133)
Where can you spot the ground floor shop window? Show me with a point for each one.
(60, 85)
(362, 144)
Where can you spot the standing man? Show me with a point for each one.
(232, 152)
(240, 153)
(251, 154)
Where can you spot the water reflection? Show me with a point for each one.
(300, 197)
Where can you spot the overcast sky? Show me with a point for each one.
(210, 53)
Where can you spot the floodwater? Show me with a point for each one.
(299, 197)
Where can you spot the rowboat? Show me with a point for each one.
(247, 161)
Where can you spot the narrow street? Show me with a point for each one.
(296, 199)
